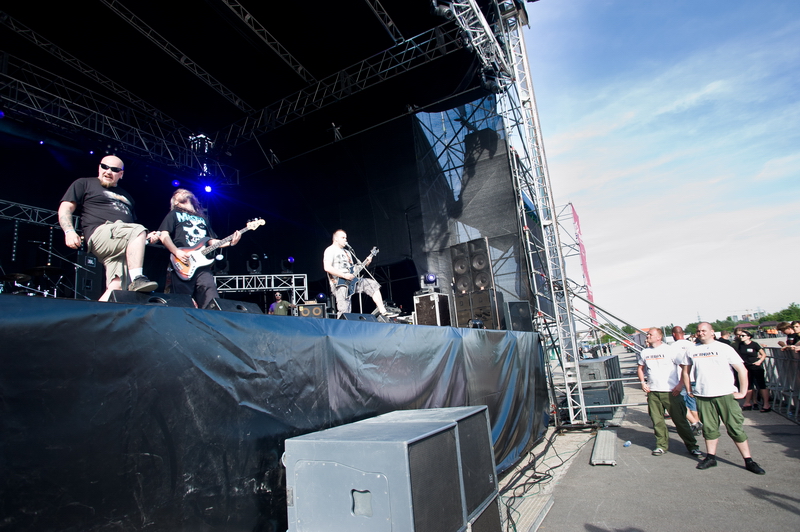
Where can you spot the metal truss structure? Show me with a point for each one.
(406, 55)
(66, 106)
(295, 284)
(32, 215)
(517, 106)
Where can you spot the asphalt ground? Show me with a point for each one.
(558, 489)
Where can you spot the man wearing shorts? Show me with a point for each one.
(711, 363)
(107, 220)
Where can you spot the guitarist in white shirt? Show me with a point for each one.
(339, 263)
(186, 226)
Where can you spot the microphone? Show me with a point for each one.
(348, 246)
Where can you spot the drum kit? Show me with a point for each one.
(38, 281)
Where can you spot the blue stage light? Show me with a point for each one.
(322, 297)
(41, 142)
(291, 260)
(430, 278)
(208, 188)
(176, 183)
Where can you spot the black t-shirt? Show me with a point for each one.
(98, 204)
(792, 339)
(748, 352)
(186, 229)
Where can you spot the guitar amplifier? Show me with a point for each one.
(316, 310)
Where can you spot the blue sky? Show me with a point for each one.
(674, 130)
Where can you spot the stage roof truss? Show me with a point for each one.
(262, 33)
(412, 53)
(385, 19)
(171, 50)
(483, 39)
(58, 102)
(89, 72)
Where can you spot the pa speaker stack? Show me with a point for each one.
(473, 285)
(414, 470)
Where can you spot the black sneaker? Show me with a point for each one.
(755, 468)
(707, 462)
(142, 284)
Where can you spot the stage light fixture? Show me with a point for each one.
(2, 115)
(322, 297)
(430, 278)
(41, 142)
(253, 270)
(208, 188)
(287, 265)
(176, 183)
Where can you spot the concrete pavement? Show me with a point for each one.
(558, 490)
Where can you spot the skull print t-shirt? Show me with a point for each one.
(186, 229)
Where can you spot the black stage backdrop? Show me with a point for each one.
(123, 417)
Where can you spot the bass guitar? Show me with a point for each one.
(355, 270)
(199, 254)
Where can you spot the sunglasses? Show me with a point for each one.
(112, 168)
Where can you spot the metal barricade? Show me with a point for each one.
(783, 381)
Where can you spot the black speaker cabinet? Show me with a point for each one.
(472, 266)
(154, 298)
(519, 314)
(432, 309)
(231, 305)
(387, 474)
(90, 283)
(316, 310)
(483, 305)
(358, 317)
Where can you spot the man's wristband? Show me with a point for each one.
(68, 231)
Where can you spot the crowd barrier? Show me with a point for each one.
(783, 380)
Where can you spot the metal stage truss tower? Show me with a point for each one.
(503, 54)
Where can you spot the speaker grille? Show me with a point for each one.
(477, 470)
(433, 463)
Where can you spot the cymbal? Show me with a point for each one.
(21, 277)
(43, 270)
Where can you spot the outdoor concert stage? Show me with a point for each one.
(142, 417)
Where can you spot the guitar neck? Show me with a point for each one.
(220, 243)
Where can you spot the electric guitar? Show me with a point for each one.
(355, 270)
(199, 254)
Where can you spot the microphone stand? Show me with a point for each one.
(75, 264)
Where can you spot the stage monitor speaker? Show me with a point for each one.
(231, 305)
(153, 298)
(358, 317)
(316, 310)
(90, 283)
(474, 433)
(432, 309)
(519, 313)
(390, 474)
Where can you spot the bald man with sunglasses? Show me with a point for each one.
(109, 228)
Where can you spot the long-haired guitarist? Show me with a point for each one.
(186, 227)
(340, 265)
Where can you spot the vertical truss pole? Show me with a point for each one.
(517, 106)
